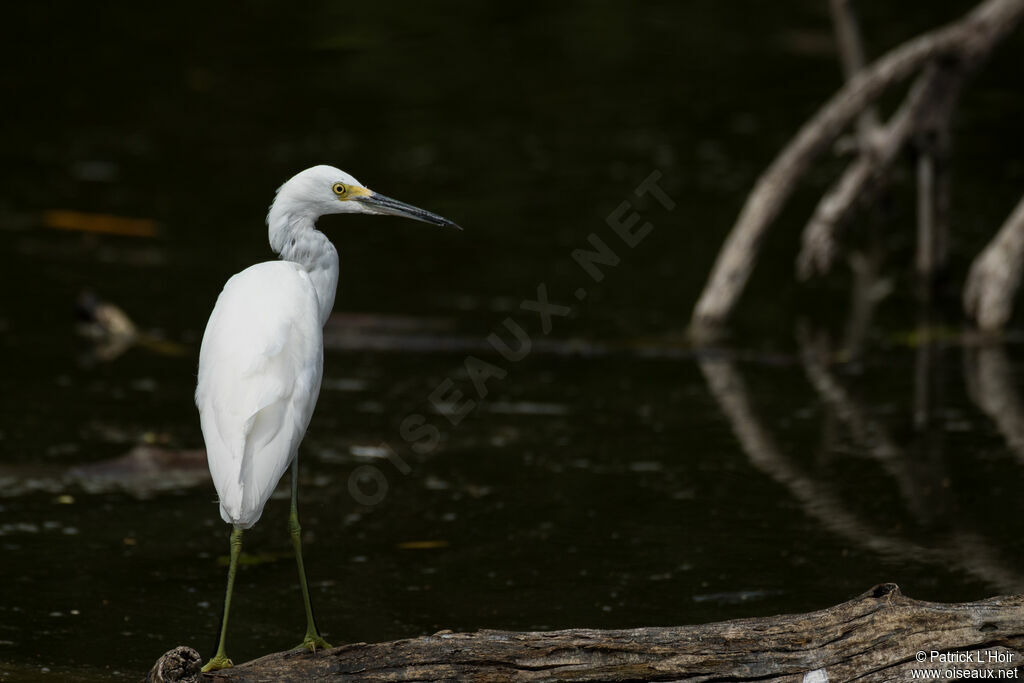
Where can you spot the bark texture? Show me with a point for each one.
(875, 637)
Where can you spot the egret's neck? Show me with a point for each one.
(295, 238)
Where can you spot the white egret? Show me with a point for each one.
(261, 360)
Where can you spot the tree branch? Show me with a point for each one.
(851, 56)
(995, 274)
(968, 39)
(837, 206)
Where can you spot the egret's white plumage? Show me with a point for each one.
(259, 377)
(261, 360)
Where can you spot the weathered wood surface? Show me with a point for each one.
(875, 637)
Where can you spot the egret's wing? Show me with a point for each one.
(260, 367)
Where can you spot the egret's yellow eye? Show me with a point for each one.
(339, 189)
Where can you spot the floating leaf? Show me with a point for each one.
(422, 545)
(61, 219)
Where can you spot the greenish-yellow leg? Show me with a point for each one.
(220, 660)
(313, 639)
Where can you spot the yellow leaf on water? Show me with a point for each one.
(422, 545)
(61, 219)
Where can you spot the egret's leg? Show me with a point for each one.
(220, 660)
(313, 639)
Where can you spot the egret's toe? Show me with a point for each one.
(218, 662)
(313, 642)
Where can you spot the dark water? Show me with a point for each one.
(611, 478)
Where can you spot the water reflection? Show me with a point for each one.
(991, 386)
(633, 497)
(926, 490)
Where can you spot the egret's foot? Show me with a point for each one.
(218, 662)
(313, 642)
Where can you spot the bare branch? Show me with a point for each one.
(837, 206)
(933, 141)
(851, 56)
(970, 39)
(927, 109)
(995, 274)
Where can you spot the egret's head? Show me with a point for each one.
(324, 189)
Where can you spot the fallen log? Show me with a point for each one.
(881, 635)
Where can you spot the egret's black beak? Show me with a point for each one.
(378, 203)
